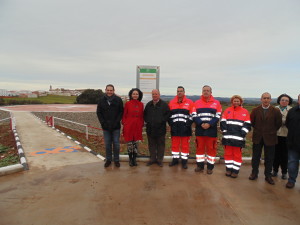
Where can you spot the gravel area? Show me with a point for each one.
(4, 114)
(86, 118)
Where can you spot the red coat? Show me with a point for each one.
(133, 120)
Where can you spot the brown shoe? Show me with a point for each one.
(228, 173)
(270, 180)
(290, 185)
(234, 175)
(209, 172)
(252, 176)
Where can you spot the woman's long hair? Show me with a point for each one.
(138, 90)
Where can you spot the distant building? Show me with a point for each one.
(3, 92)
(65, 92)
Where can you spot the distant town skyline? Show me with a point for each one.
(236, 47)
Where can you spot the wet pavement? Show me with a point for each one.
(70, 186)
(90, 194)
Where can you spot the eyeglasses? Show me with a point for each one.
(284, 100)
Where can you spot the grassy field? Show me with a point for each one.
(50, 99)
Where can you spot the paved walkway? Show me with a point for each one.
(46, 148)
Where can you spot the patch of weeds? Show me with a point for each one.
(9, 160)
(3, 149)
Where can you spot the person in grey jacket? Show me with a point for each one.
(156, 115)
(109, 112)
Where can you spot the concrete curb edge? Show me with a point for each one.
(23, 165)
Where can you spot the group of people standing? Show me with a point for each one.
(274, 130)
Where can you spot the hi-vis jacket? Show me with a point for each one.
(207, 112)
(235, 124)
(181, 119)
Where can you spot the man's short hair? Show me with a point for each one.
(181, 87)
(266, 93)
(110, 85)
(207, 86)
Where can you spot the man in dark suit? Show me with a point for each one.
(156, 115)
(266, 120)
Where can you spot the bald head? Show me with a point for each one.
(155, 95)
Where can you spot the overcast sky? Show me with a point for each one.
(237, 47)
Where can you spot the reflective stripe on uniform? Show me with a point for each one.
(233, 137)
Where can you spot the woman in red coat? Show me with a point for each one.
(133, 122)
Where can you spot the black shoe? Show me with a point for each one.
(149, 163)
(234, 175)
(290, 185)
(134, 159)
(284, 176)
(107, 163)
(274, 174)
(160, 164)
(228, 173)
(130, 156)
(253, 176)
(174, 162)
(184, 163)
(270, 180)
(117, 164)
(209, 171)
(199, 169)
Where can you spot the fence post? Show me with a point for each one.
(52, 121)
(10, 123)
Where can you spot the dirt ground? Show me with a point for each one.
(89, 194)
(7, 139)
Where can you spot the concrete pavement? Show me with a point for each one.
(46, 148)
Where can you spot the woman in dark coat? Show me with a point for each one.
(133, 121)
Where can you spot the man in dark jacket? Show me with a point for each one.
(109, 112)
(293, 140)
(265, 120)
(180, 122)
(156, 115)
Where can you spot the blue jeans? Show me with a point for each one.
(293, 165)
(112, 142)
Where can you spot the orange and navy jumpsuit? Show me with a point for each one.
(181, 122)
(206, 139)
(235, 124)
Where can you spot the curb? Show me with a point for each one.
(23, 165)
(72, 139)
(20, 151)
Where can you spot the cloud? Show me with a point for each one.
(237, 47)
